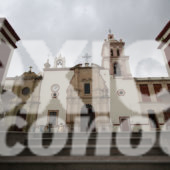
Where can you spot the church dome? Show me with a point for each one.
(30, 75)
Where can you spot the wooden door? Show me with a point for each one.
(157, 88)
(145, 93)
(52, 117)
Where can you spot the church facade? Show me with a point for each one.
(105, 96)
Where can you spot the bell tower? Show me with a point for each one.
(113, 57)
(59, 62)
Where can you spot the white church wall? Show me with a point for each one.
(61, 77)
(9, 83)
(106, 77)
(125, 104)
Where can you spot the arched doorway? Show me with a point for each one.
(87, 117)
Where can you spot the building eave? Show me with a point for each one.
(164, 30)
(9, 27)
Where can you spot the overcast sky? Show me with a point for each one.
(75, 27)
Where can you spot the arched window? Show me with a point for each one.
(87, 88)
(111, 52)
(116, 69)
(59, 63)
(118, 52)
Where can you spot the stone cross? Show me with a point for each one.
(110, 31)
(86, 58)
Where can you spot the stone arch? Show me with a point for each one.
(116, 69)
(87, 116)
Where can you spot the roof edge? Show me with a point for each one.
(9, 27)
(167, 26)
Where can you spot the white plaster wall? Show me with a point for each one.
(127, 105)
(62, 78)
(9, 83)
(106, 77)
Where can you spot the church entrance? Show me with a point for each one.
(87, 117)
(124, 123)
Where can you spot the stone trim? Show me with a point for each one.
(164, 30)
(11, 30)
(7, 37)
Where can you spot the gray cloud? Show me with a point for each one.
(57, 21)
(150, 68)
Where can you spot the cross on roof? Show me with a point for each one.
(30, 68)
(110, 31)
(86, 58)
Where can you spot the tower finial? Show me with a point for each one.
(86, 57)
(47, 64)
(110, 35)
(30, 69)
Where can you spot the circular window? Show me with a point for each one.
(55, 88)
(121, 92)
(25, 91)
(54, 95)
